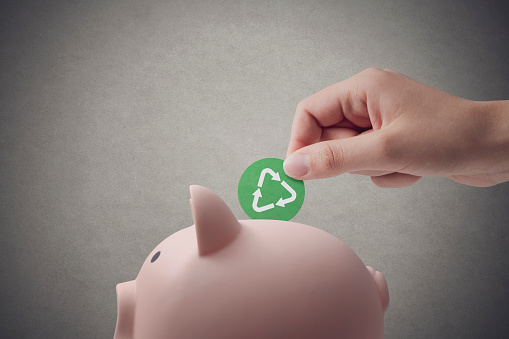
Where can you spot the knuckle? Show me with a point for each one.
(372, 70)
(302, 106)
(331, 157)
(375, 77)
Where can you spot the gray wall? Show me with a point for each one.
(109, 111)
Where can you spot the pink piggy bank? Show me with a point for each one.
(225, 278)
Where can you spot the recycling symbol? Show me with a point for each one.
(258, 194)
(282, 195)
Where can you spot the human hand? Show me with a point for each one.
(388, 126)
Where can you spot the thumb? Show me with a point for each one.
(329, 158)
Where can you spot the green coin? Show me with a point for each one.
(266, 192)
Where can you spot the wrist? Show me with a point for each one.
(491, 120)
(496, 114)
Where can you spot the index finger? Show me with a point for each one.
(343, 103)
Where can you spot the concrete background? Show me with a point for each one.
(110, 110)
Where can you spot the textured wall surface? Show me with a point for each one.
(110, 110)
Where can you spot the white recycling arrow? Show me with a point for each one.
(257, 195)
(275, 176)
(282, 201)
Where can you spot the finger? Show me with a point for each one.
(395, 180)
(329, 158)
(333, 133)
(327, 107)
(371, 173)
(348, 124)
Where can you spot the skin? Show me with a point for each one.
(385, 125)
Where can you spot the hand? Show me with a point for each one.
(385, 125)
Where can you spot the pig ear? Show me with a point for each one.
(381, 286)
(215, 224)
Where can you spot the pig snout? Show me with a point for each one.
(126, 304)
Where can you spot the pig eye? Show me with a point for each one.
(154, 258)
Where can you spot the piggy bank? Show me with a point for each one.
(224, 278)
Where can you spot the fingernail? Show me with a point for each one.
(296, 165)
